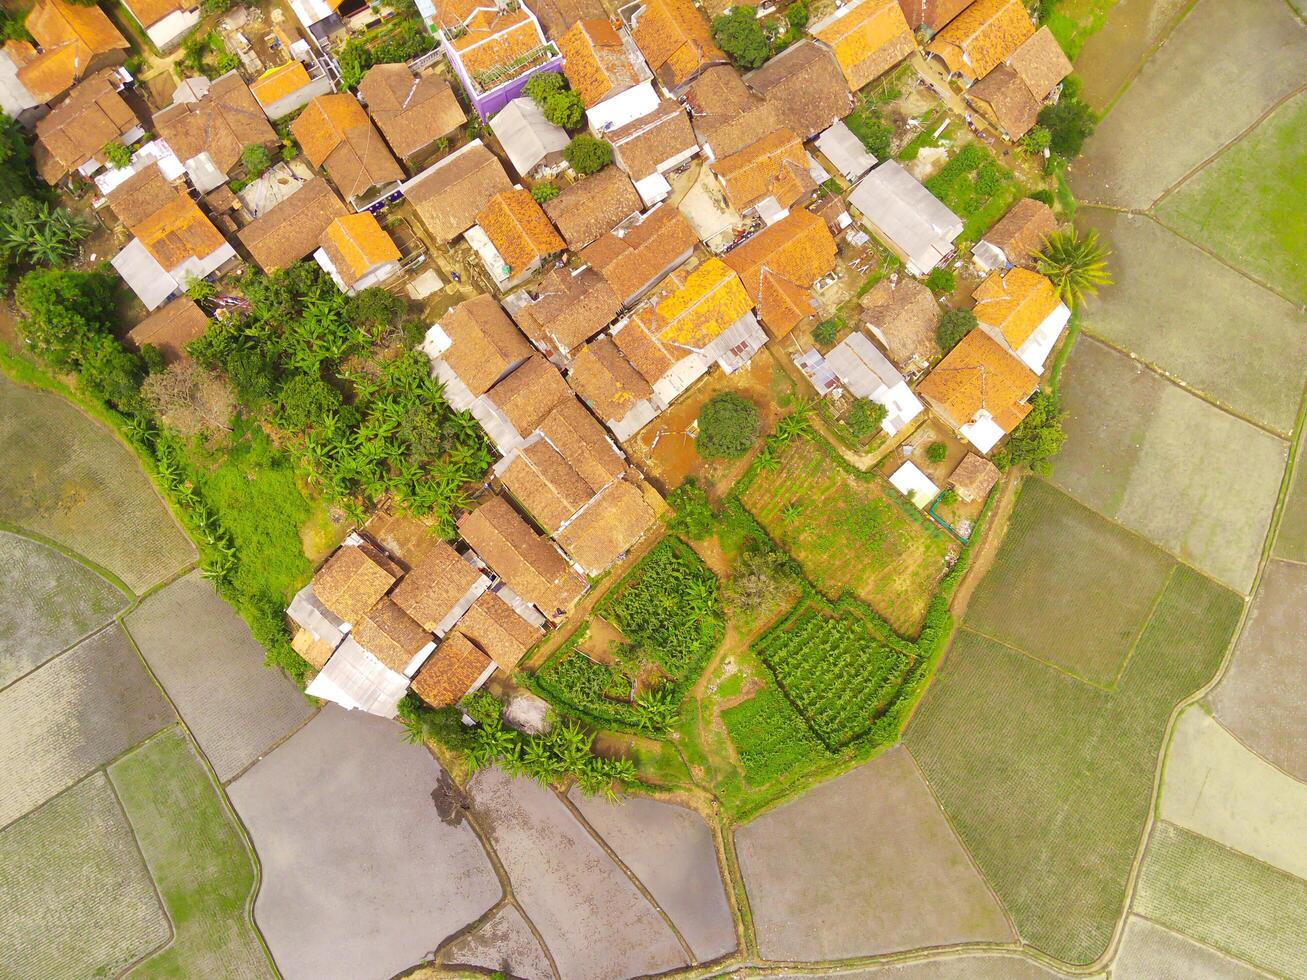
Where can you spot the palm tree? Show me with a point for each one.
(1076, 265)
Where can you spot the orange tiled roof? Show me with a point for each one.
(778, 264)
(277, 83)
(177, 232)
(978, 374)
(72, 38)
(631, 262)
(764, 168)
(150, 12)
(493, 40)
(675, 39)
(595, 61)
(356, 244)
(518, 228)
(699, 306)
(1015, 302)
(981, 37)
(868, 37)
(321, 127)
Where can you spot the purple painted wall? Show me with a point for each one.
(488, 103)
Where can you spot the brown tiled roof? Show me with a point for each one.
(717, 95)
(293, 228)
(981, 37)
(932, 14)
(608, 527)
(584, 443)
(1015, 303)
(1021, 232)
(316, 652)
(1040, 62)
(632, 260)
(278, 82)
(142, 194)
(675, 40)
(545, 484)
(74, 39)
(590, 207)
(794, 252)
(639, 343)
(733, 134)
(904, 316)
(1002, 97)
(603, 376)
(354, 579)
(805, 85)
(974, 477)
(869, 37)
(448, 195)
(763, 169)
(530, 565)
(979, 374)
(528, 394)
(412, 113)
(518, 228)
(643, 146)
(483, 342)
(496, 628)
(451, 670)
(571, 307)
(556, 16)
(357, 244)
(406, 538)
(335, 133)
(170, 328)
(434, 585)
(222, 124)
(390, 635)
(595, 62)
(78, 128)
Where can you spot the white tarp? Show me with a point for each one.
(355, 679)
(914, 484)
(526, 135)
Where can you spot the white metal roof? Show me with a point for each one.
(898, 207)
(914, 484)
(842, 148)
(526, 135)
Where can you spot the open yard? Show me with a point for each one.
(1234, 341)
(75, 899)
(1048, 780)
(1225, 899)
(1192, 479)
(1253, 699)
(1068, 586)
(67, 478)
(1214, 77)
(198, 859)
(1262, 228)
(851, 530)
(50, 602)
(864, 864)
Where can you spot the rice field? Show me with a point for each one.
(50, 602)
(1225, 899)
(1048, 780)
(75, 899)
(851, 530)
(1291, 537)
(1068, 586)
(198, 859)
(69, 479)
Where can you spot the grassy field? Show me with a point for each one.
(1048, 780)
(851, 530)
(198, 859)
(1069, 586)
(1234, 341)
(68, 479)
(1291, 536)
(1074, 21)
(1263, 228)
(1225, 899)
(50, 602)
(75, 899)
(1192, 479)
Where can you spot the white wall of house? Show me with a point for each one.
(168, 32)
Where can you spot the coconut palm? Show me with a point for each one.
(1077, 265)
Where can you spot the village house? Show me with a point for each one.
(593, 206)
(1021, 310)
(637, 254)
(1012, 94)
(931, 14)
(676, 42)
(449, 194)
(472, 348)
(1017, 238)
(558, 16)
(974, 478)
(980, 38)
(515, 407)
(545, 484)
(456, 669)
(288, 87)
(910, 481)
(335, 133)
(165, 22)
(652, 146)
(173, 241)
(412, 111)
(208, 133)
(845, 152)
(607, 527)
(563, 310)
(902, 315)
(494, 48)
(779, 265)
(805, 85)
(357, 253)
(725, 114)
(169, 329)
(71, 139)
(605, 70)
(866, 373)
(911, 221)
(606, 381)
(534, 145)
(293, 228)
(769, 177)
(513, 237)
(70, 43)
(980, 390)
(439, 588)
(868, 38)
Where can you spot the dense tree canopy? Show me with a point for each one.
(728, 426)
(739, 34)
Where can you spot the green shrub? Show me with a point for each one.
(256, 158)
(865, 418)
(305, 401)
(117, 155)
(952, 327)
(825, 332)
(587, 155)
(1037, 140)
(1070, 122)
(564, 109)
(728, 427)
(692, 514)
(542, 85)
(1044, 197)
(739, 34)
(875, 134)
(797, 14)
(544, 193)
(1039, 436)
(937, 452)
(941, 280)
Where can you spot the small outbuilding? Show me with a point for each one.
(912, 222)
(974, 478)
(533, 144)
